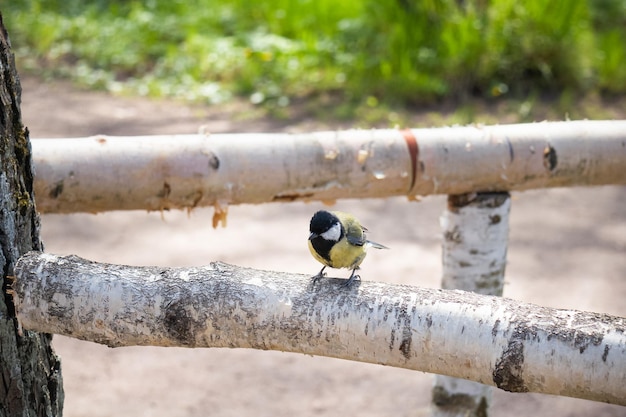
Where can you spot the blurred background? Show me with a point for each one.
(156, 67)
(355, 59)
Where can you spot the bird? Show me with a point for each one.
(338, 240)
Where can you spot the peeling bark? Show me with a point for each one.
(185, 171)
(492, 340)
(30, 377)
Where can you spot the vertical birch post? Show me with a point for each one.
(475, 229)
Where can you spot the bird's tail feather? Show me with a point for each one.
(376, 245)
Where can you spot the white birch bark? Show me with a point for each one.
(186, 171)
(475, 230)
(475, 239)
(497, 341)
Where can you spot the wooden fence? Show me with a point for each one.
(480, 337)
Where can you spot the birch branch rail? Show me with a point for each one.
(515, 346)
(186, 171)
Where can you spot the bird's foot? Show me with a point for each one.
(319, 275)
(353, 277)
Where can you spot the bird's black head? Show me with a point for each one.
(326, 225)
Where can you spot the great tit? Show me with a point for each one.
(338, 240)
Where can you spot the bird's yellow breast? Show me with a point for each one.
(342, 255)
(345, 255)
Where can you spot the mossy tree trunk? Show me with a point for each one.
(30, 375)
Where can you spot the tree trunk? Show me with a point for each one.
(30, 383)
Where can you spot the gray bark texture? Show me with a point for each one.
(515, 346)
(30, 375)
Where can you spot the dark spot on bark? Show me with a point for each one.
(165, 191)
(402, 328)
(57, 190)
(507, 374)
(392, 339)
(606, 353)
(460, 404)
(214, 161)
(549, 158)
(292, 197)
(495, 219)
(404, 321)
(178, 323)
(491, 199)
(457, 201)
(582, 341)
(578, 342)
(480, 200)
(453, 235)
(405, 346)
(511, 151)
(429, 320)
(496, 326)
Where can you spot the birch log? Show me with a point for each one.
(186, 171)
(476, 233)
(515, 346)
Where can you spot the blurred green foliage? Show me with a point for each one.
(366, 51)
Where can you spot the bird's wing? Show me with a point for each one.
(355, 235)
(356, 240)
(353, 229)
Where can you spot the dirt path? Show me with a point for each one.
(567, 249)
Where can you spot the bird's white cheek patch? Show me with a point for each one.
(334, 233)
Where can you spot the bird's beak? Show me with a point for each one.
(313, 236)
